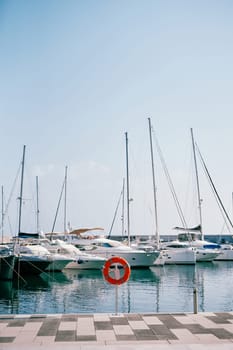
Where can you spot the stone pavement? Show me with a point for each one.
(122, 331)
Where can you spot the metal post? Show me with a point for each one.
(195, 301)
(116, 301)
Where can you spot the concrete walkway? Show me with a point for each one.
(122, 331)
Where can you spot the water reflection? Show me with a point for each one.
(159, 289)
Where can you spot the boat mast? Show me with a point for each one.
(198, 185)
(123, 209)
(65, 198)
(21, 190)
(154, 187)
(127, 186)
(2, 214)
(37, 206)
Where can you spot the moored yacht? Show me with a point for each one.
(108, 248)
(205, 251)
(80, 259)
(178, 253)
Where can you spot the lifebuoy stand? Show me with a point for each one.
(116, 262)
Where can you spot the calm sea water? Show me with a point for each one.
(160, 289)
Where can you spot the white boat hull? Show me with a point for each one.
(181, 256)
(136, 259)
(85, 263)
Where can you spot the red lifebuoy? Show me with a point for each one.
(116, 260)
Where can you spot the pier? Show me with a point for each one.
(143, 331)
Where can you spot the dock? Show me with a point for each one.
(145, 331)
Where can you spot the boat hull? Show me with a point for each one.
(31, 266)
(7, 264)
(136, 259)
(180, 257)
(86, 264)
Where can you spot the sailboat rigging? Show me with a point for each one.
(116, 210)
(219, 201)
(198, 186)
(64, 189)
(154, 187)
(127, 186)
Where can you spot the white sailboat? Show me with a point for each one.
(170, 252)
(27, 263)
(107, 248)
(205, 251)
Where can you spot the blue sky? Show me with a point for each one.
(76, 75)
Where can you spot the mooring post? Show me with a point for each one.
(116, 300)
(195, 301)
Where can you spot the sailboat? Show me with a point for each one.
(28, 261)
(107, 248)
(172, 252)
(194, 236)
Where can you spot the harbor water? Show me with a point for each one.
(164, 289)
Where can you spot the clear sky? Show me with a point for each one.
(76, 75)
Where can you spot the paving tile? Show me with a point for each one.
(221, 333)
(138, 325)
(185, 336)
(162, 332)
(145, 334)
(49, 327)
(47, 339)
(25, 338)
(224, 315)
(67, 326)
(123, 330)
(196, 328)
(133, 317)
(118, 320)
(150, 320)
(227, 327)
(69, 318)
(11, 331)
(105, 335)
(17, 323)
(32, 326)
(85, 326)
(204, 321)
(36, 319)
(184, 320)
(102, 325)
(208, 338)
(86, 338)
(219, 319)
(101, 317)
(7, 339)
(125, 337)
(170, 321)
(65, 335)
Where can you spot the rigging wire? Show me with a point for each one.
(115, 214)
(219, 201)
(174, 195)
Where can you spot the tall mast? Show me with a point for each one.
(127, 187)
(65, 198)
(2, 214)
(37, 206)
(123, 209)
(154, 187)
(21, 190)
(198, 186)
